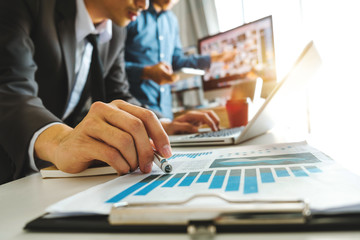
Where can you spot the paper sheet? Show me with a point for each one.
(269, 172)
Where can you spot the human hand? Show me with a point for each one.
(116, 133)
(190, 122)
(226, 56)
(161, 73)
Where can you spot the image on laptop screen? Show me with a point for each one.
(254, 44)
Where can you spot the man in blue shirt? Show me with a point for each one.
(153, 50)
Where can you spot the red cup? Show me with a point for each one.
(237, 111)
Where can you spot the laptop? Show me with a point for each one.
(282, 95)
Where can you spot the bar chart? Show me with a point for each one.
(274, 172)
(190, 155)
(243, 180)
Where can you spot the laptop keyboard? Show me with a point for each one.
(220, 133)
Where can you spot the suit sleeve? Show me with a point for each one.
(21, 112)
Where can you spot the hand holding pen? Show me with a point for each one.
(162, 163)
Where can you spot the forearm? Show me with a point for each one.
(47, 142)
(146, 72)
(31, 148)
(194, 61)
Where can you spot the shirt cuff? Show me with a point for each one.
(135, 71)
(205, 62)
(32, 144)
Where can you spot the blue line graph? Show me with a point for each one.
(286, 159)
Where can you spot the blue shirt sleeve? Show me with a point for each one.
(179, 60)
(134, 71)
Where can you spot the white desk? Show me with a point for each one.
(27, 198)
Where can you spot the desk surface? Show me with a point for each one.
(25, 199)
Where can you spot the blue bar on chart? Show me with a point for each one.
(188, 179)
(298, 172)
(250, 184)
(313, 169)
(132, 189)
(174, 180)
(153, 185)
(266, 175)
(188, 155)
(282, 172)
(218, 179)
(204, 177)
(233, 183)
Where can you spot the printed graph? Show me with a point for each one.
(189, 155)
(266, 151)
(285, 159)
(244, 180)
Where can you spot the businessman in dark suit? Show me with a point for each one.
(51, 77)
(42, 55)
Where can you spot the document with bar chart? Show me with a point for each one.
(268, 172)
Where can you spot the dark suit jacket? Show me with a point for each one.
(37, 58)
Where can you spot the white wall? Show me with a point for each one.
(335, 96)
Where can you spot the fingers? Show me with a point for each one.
(207, 117)
(116, 133)
(160, 73)
(183, 127)
(152, 126)
(225, 56)
(110, 155)
(175, 78)
(132, 126)
(120, 140)
(79, 150)
(166, 73)
(214, 117)
(166, 67)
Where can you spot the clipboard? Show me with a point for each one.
(170, 217)
(176, 211)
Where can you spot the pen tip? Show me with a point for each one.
(168, 169)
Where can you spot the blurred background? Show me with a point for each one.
(333, 96)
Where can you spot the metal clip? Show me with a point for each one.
(203, 231)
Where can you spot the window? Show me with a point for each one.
(286, 14)
(229, 13)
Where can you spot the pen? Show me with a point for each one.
(162, 163)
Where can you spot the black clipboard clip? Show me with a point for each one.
(202, 213)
